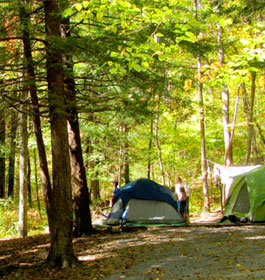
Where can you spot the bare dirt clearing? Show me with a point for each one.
(198, 251)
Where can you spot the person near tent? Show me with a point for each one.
(182, 191)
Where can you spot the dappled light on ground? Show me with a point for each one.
(192, 252)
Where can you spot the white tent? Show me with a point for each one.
(227, 175)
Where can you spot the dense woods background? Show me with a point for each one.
(95, 94)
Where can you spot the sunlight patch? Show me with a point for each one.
(261, 237)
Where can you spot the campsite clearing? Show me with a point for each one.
(199, 251)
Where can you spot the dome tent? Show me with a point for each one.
(143, 202)
(247, 196)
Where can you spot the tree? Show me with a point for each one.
(61, 221)
(225, 98)
(2, 152)
(81, 204)
(23, 167)
(206, 206)
(12, 152)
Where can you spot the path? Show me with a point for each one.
(202, 250)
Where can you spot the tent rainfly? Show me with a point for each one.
(227, 174)
(247, 196)
(143, 202)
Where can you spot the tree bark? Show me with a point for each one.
(249, 110)
(45, 177)
(2, 153)
(157, 143)
(23, 169)
(126, 157)
(12, 152)
(94, 186)
(61, 251)
(261, 134)
(36, 181)
(29, 183)
(233, 127)
(150, 150)
(82, 222)
(226, 103)
(206, 205)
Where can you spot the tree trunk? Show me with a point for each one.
(23, 170)
(2, 153)
(12, 152)
(157, 143)
(61, 251)
(82, 222)
(261, 134)
(226, 104)
(29, 184)
(120, 158)
(94, 185)
(206, 205)
(150, 150)
(126, 157)
(233, 127)
(226, 121)
(36, 182)
(45, 177)
(249, 110)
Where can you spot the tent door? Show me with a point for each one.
(242, 202)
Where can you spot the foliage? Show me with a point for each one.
(125, 55)
(9, 218)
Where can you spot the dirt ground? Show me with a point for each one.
(202, 250)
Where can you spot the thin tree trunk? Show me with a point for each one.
(45, 177)
(23, 170)
(249, 110)
(157, 143)
(234, 126)
(29, 184)
(126, 157)
(61, 225)
(206, 205)
(261, 134)
(83, 224)
(2, 153)
(228, 159)
(150, 150)
(12, 153)
(120, 158)
(94, 185)
(36, 182)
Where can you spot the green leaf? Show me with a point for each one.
(114, 54)
(100, 16)
(253, 69)
(113, 70)
(85, 4)
(159, 34)
(137, 67)
(67, 12)
(78, 7)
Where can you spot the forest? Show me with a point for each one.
(95, 94)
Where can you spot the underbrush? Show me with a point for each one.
(37, 221)
(197, 200)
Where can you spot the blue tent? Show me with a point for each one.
(144, 201)
(145, 189)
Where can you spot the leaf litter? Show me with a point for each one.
(198, 251)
